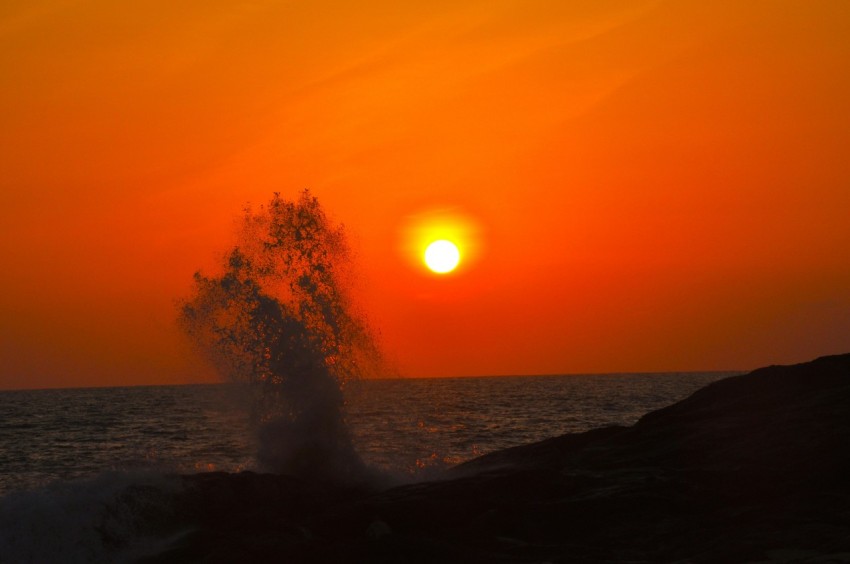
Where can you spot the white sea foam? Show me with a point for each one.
(85, 521)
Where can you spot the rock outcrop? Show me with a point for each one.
(751, 468)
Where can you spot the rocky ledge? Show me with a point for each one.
(751, 468)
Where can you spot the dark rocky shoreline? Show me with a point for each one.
(748, 469)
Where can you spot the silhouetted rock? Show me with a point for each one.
(750, 468)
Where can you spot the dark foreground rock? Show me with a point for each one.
(751, 468)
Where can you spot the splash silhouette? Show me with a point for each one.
(280, 319)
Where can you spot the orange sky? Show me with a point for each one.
(652, 185)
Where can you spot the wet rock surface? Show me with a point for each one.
(753, 468)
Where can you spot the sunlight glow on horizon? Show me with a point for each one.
(633, 186)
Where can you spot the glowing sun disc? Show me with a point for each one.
(442, 256)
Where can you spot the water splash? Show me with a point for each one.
(280, 319)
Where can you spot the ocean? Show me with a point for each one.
(410, 428)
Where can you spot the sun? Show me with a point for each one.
(442, 241)
(442, 256)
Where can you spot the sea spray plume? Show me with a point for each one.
(280, 318)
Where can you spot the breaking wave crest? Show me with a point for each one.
(280, 319)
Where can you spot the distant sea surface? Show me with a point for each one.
(407, 427)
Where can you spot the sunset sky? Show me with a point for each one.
(634, 185)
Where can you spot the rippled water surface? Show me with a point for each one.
(406, 426)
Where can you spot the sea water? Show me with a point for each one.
(407, 427)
